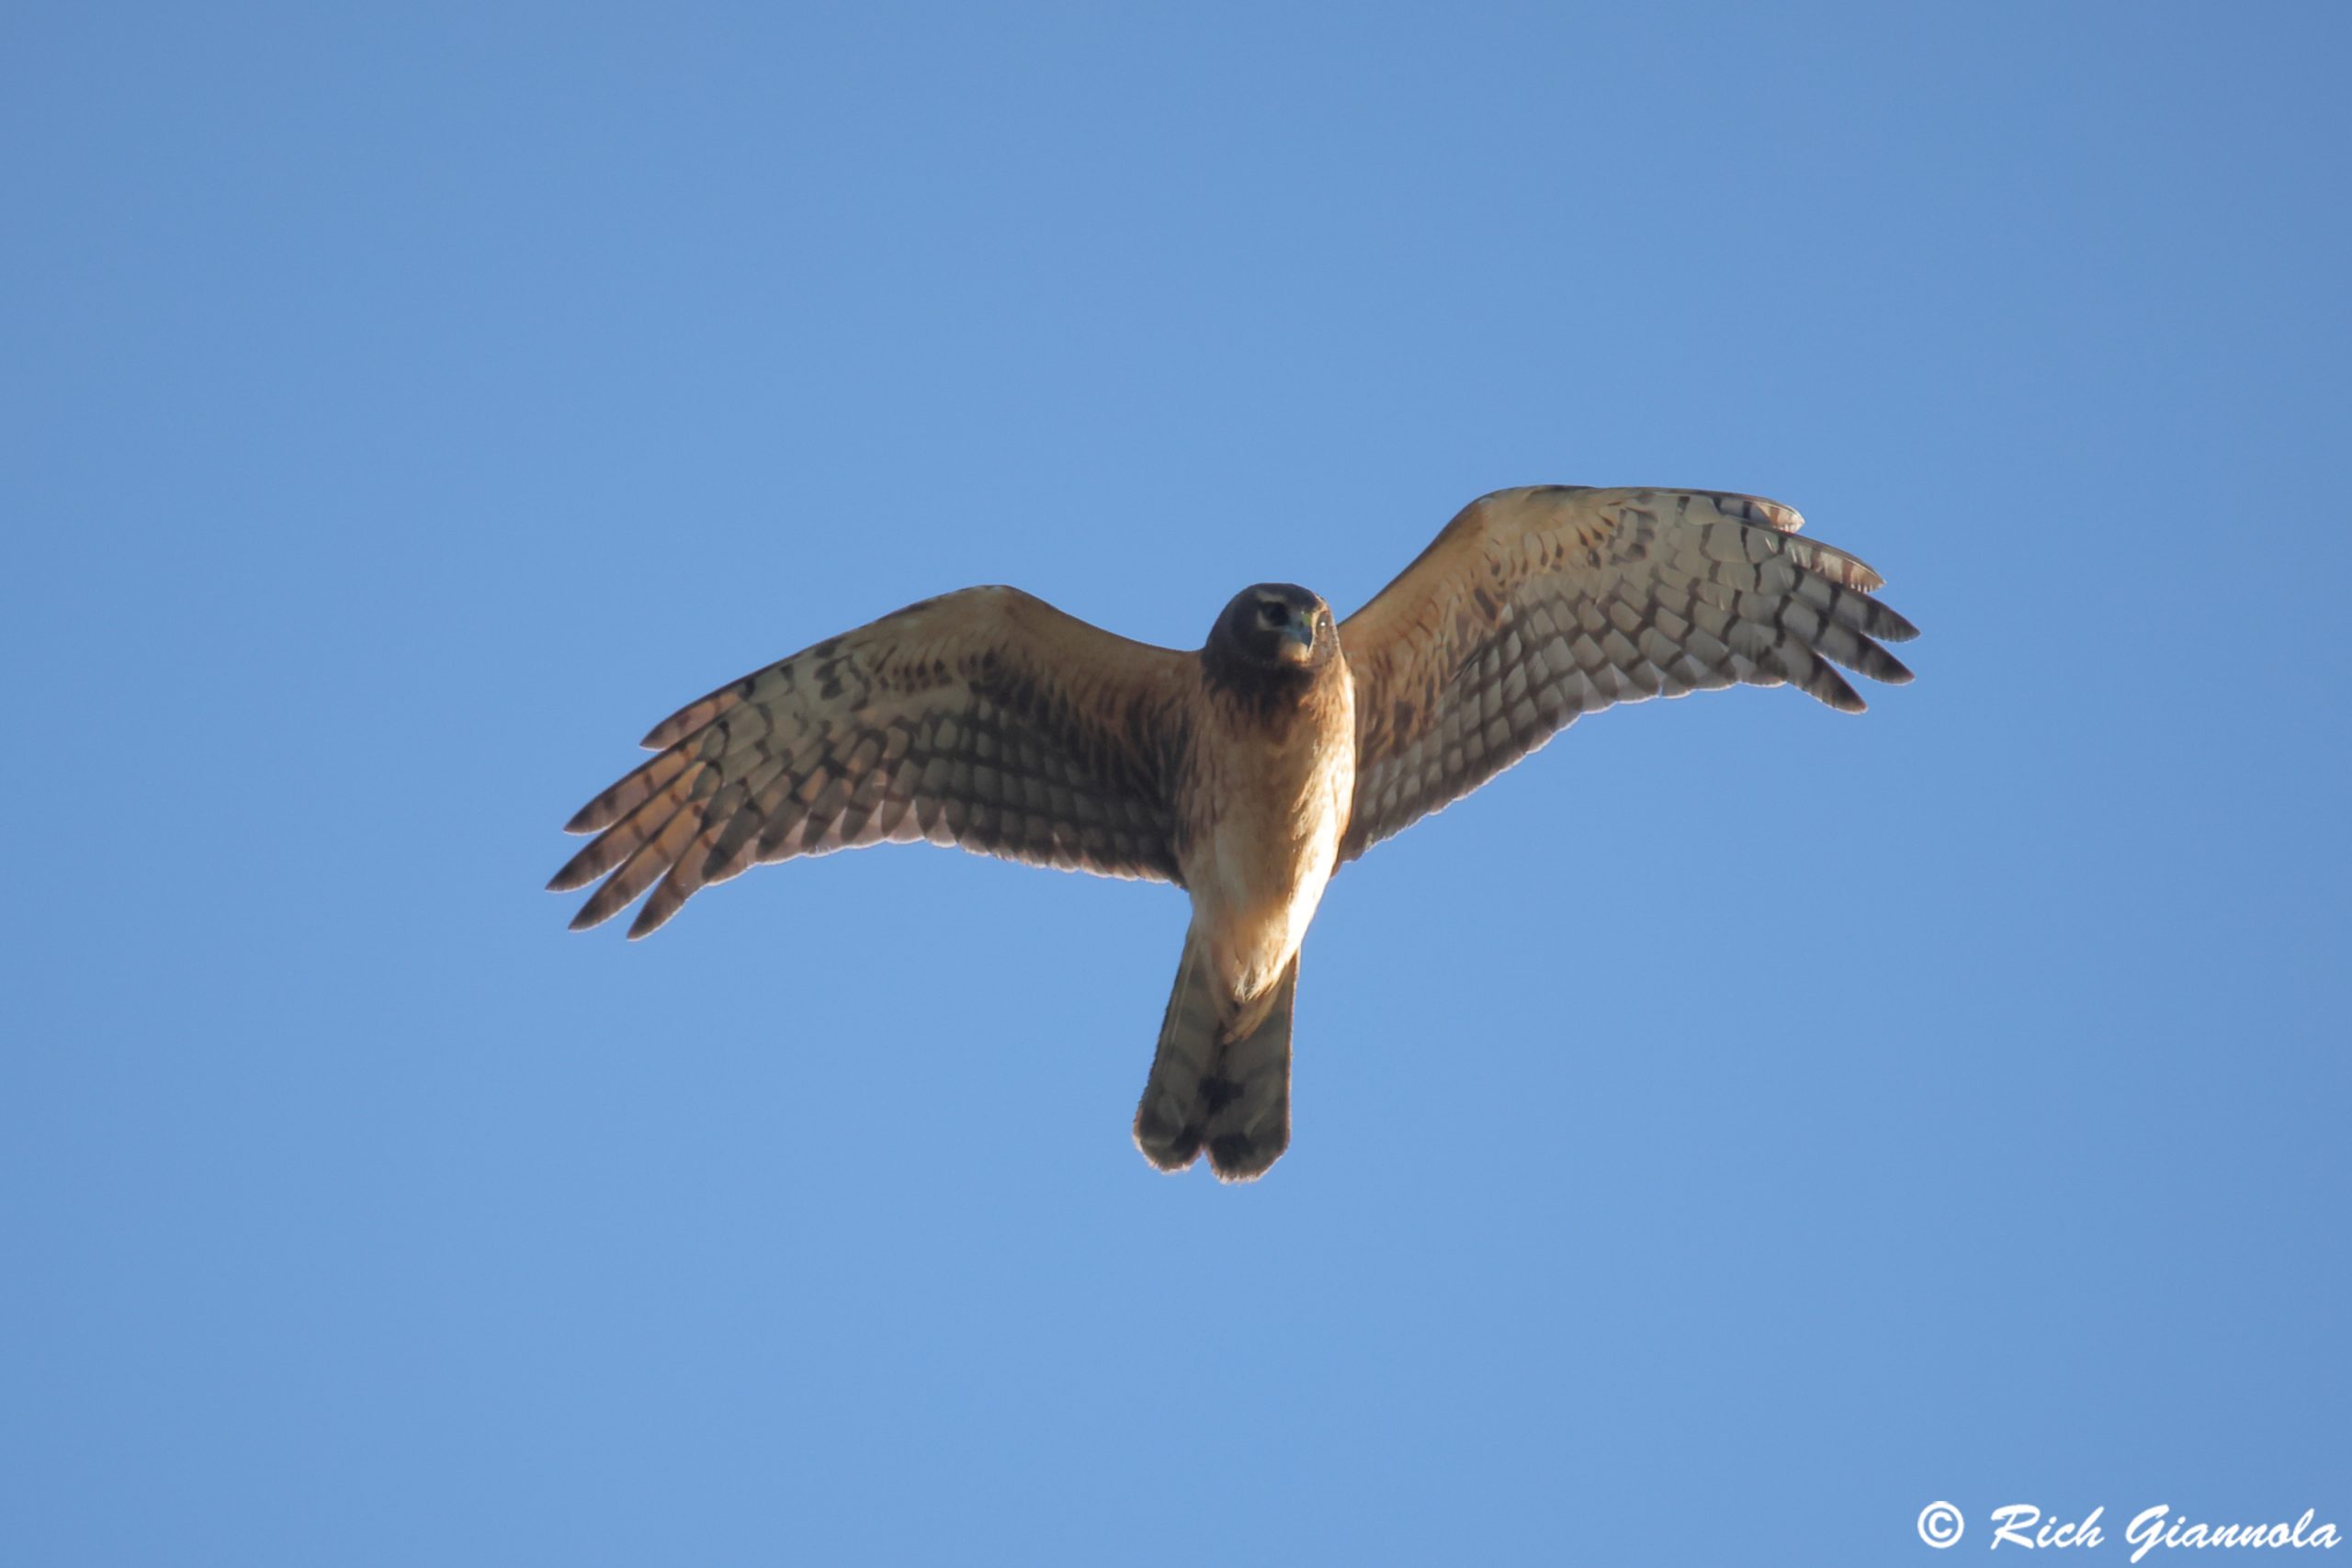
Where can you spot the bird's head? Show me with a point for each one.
(1277, 625)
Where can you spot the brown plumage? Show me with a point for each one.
(1245, 772)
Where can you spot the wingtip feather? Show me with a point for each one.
(588, 917)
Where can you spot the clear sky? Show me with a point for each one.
(1730, 1132)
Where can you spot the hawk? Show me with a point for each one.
(1246, 772)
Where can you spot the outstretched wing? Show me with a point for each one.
(1537, 605)
(986, 718)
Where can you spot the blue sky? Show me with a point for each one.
(1730, 1132)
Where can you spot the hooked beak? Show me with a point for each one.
(1302, 632)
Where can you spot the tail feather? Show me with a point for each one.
(1229, 1097)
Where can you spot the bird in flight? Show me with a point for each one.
(1246, 772)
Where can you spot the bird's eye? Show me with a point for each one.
(1276, 612)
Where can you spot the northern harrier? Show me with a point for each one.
(1246, 772)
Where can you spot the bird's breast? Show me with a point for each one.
(1269, 808)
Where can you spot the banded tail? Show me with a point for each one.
(1230, 1097)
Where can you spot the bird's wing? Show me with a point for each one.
(1540, 604)
(986, 718)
